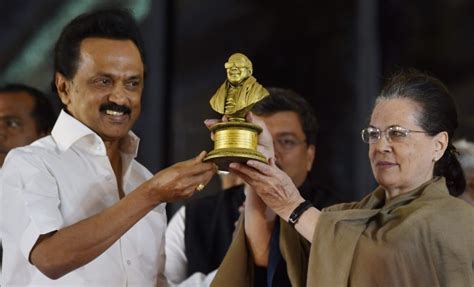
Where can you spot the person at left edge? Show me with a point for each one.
(86, 212)
(26, 114)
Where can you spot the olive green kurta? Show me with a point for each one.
(421, 238)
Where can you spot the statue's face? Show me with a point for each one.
(238, 69)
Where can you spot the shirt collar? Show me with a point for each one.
(68, 131)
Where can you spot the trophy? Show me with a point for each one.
(236, 139)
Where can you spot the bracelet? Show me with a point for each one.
(295, 215)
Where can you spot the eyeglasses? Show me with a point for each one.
(287, 143)
(372, 135)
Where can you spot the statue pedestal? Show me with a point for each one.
(234, 141)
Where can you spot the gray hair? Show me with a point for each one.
(466, 153)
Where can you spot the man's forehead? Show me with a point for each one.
(112, 55)
(16, 102)
(16, 97)
(284, 122)
(95, 46)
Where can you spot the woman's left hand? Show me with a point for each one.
(273, 186)
(265, 140)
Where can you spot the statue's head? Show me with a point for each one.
(238, 68)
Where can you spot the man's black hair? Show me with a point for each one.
(281, 100)
(116, 24)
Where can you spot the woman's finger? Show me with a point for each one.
(241, 175)
(251, 173)
(261, 167)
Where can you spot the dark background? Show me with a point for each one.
(335, 53)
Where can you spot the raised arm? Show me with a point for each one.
(57, 253)
(274, 187)
(278, 192)
(258, 223)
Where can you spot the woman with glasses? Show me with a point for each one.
(410, 231)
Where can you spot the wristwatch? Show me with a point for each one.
(295, 215)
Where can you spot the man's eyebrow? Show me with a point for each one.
(285, 134)
(135, 77)
(103, 74)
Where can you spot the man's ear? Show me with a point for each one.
(62, 86)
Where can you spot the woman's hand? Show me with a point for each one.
(271, 184)
(278, 192)
(265, 140)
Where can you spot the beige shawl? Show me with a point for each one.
(421, 238)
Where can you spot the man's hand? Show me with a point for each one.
(58, 253)
(180, 180)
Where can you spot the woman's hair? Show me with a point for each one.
(465, 153)
(438, 113)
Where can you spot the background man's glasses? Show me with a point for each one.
(372, 135)
(287, 143)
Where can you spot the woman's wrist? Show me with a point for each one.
(288, 209)
(298, 212)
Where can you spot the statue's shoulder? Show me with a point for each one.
(218, 99)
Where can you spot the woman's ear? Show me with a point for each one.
(310, 155)
(441, 141)
(62, 86)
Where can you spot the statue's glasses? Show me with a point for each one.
(229, 65)
(395, 133)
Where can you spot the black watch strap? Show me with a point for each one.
(295, 215)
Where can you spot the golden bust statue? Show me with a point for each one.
(236, 140)
(237, 95)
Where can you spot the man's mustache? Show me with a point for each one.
(115, 107)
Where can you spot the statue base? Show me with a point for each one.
(234, 141)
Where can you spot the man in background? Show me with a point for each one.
(198, 236)
(26, 115)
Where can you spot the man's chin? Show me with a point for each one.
(113, 134)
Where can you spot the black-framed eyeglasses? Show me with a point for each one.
(287, 142)
(372, 135)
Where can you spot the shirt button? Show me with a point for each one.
(129, 262)
(108, 177)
